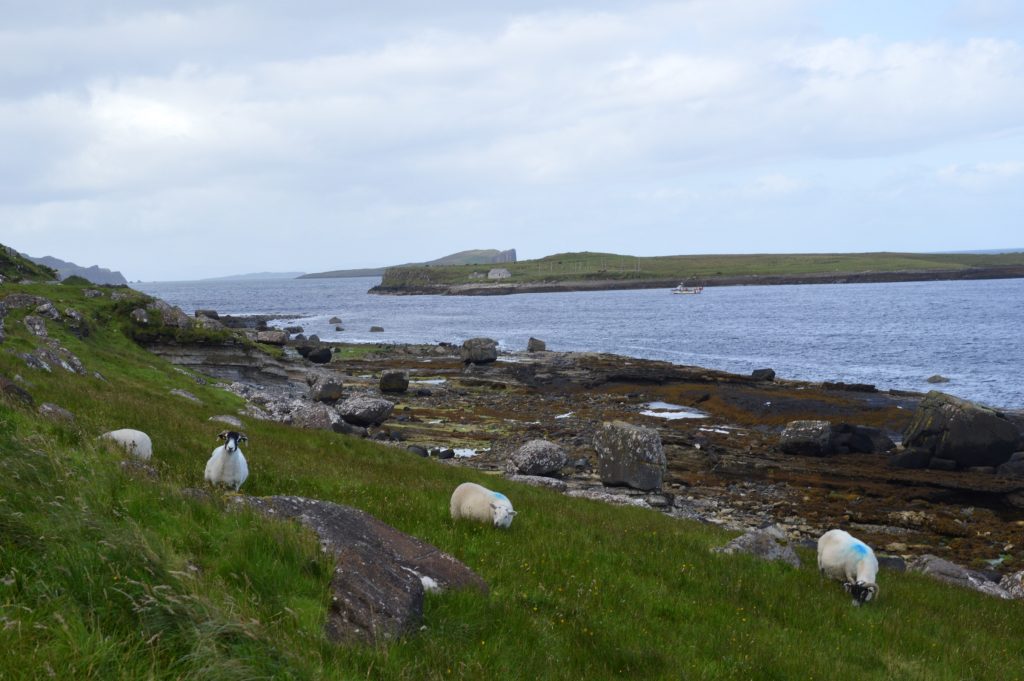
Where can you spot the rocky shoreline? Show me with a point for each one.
(509, 288)
(722, 436)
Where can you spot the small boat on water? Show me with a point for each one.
(688, 289)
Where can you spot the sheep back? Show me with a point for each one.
(135, 442)
(476, 502)
(843, 557)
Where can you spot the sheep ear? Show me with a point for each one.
(494, 505)
(242, 437)
(222, 435)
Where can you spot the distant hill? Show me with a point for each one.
(253, 276)
(474, 257)
(15, 267)
(97, 275)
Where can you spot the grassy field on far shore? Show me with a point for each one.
(606, 266)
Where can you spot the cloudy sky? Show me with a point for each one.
(195, 139)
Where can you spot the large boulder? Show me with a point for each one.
(364, 411)
(951, 573)
(479, 351)
(807, 438)
(821, 438)
(536, 345)
(394, 381)
(326, 389)
(272, 337)
(947, 427)
(630, 455)
(537, 457)
(380, 575)
(320, 355)
(170, 315)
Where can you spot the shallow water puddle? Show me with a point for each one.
(672, 412)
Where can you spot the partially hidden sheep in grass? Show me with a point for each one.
(475, 502)
(227, 464)
(135, 442)
(843, 557)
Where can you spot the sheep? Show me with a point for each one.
(843, 557)
(135, 442)
(476, 502)
(227, 464)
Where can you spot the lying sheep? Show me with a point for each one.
(846, 558)
(473, 501)
(227, 464)
(135, 442)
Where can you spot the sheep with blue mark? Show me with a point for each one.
(843, 557)
(227, 465)
(476, 502)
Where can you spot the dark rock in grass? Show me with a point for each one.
(76, 322)
(630, 455)
(319, 356)
(380, 574)
(394, 382)
(948, 572)
(13, 392)
(349, 429)
(763, 374)
(893, 563)
(764, 544)
(417, 450)
(444, 453)
(479, 351)
(365, 411)
(959, 430)
(537, 457)
(54, 413)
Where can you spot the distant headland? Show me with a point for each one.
(473, 257)
(606, 271)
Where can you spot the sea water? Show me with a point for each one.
(892, 335)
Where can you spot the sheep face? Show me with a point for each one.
(861, 592)
(502, 513)
(231, 440)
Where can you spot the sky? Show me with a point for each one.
(186, 140)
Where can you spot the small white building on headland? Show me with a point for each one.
(499, 273)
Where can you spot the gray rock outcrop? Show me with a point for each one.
(479, 351)
(365, 411)
(765, 544)
(947, 427)
(536, 345)
(326, 389)
(380, 574)
(951, 573)
(272, 337)
(537, 457)
(822, 438)
(630, 455)
(763, 374)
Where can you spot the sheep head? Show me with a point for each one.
(232, 439)
(502, 513)
(862, 592)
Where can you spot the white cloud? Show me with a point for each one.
(983, 175)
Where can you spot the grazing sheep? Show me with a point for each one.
(475, 502)
(135, 442)
(227, 464)
(846, 558)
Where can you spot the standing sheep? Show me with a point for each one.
(473, 501)
(227, 464)
(844, 557)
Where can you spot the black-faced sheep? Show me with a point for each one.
(844, 557)
(475, 502)
(227, 465)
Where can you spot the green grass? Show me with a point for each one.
(600, 266)
(106, 574)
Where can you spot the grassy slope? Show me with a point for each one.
(105, 575)
(585, 266)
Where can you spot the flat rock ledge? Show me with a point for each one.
(380, 574)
